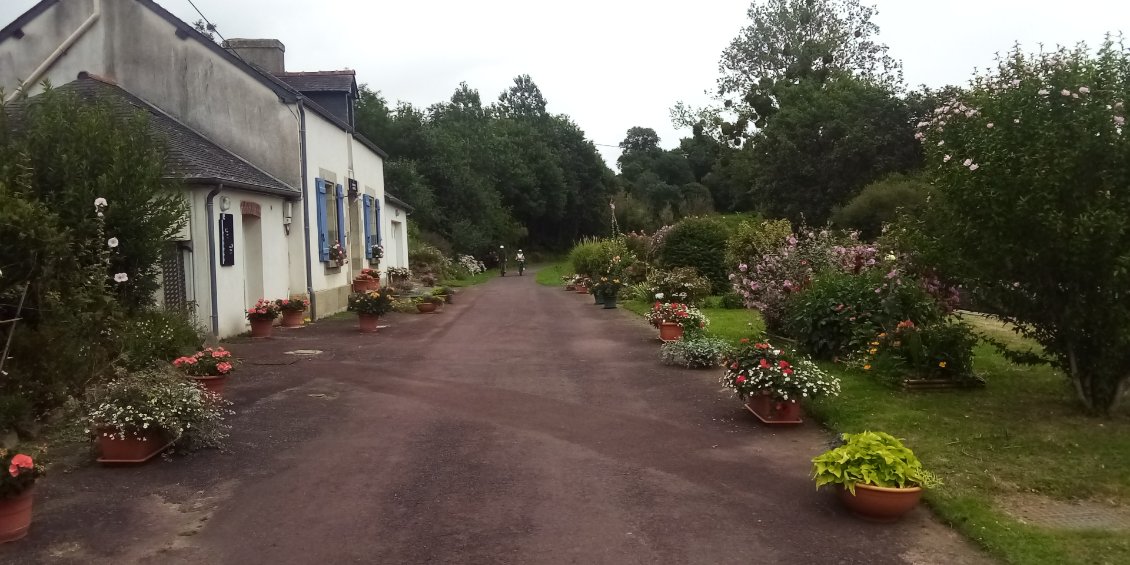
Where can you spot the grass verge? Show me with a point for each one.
(472, 280)
(550, 274)
(727, 324)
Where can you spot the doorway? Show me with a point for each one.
(252, 259)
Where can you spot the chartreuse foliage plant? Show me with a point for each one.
(871, 458)
(1030, 209)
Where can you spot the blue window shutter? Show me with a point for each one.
(367, 206)
(323, 231)
(377, 212)
(341, 216)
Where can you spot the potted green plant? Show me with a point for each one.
(370, 306)
(772, 382)
(427, 304)
(445, 292)
(17, 491)
(293, 310)
(137, 415)
(597, 288)
(674, 319)
(878, 477)
(570, 282)
(262, 316)
(209, 368)
(612, 291)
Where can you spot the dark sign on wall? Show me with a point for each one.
(353, 188)
(227, 240)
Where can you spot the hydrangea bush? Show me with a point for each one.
(1031, 208)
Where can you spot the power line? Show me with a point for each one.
(211, 26)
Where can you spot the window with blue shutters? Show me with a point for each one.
(367, 218)
(321, 201)
(339, 203)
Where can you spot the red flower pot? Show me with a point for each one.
(426, 307)
(581, 289)
(212, 383)
(571, 287)
(368, 322)
(293, 318)
(880, 504)
(261, 327)
(132, 449)
(670, 331)
(15, 515)
(772, 411)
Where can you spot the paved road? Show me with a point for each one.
(522, 425)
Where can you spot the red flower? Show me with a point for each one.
(740, 379)
(19, 462)
(745, 340)
(734, 366)
(764, 363)
(787, 371)
(783, 364)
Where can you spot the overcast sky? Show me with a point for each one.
(610, 64)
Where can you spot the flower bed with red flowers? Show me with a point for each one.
(212, 362)
(760, 367)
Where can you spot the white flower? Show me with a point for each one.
(1119, 120)
(1084, 90)
(919, 136)
(112, 242)
(968, 162)
(989, 125)
(941, 143)
(1016, 120)
(121, 278)
(947, 158)
(1065, 92)
(974, 167)
(1015, 82)
(99, 203)
(1043, 92)
(1073, 95)
(659, 296)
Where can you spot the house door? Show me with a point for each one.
(356, 238)
(252, 259)
(395, 247)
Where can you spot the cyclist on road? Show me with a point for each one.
(502, 259)
(521, 259)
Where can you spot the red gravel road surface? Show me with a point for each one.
(520, 425)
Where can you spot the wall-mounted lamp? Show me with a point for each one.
(288, 214)
(225, 203)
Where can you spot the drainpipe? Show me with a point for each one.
(69, 42)
(213, 273)
(306, 210)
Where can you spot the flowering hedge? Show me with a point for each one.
(1031, 210)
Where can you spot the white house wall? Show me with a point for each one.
(140, 51)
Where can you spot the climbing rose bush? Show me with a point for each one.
(1031, 206)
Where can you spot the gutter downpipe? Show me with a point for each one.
(306, 209)
(67, 43)
(213, 275)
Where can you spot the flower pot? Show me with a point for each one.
(772, 411)
(368, 322)
(211, 383)
(366, 286)
(571, 287)
(880, 504)
(426, 307)
(609, 302)
(15, 515)
(670, 331)
(582, 289)
(293, 318)
(261, 327)
(597, 299)
(132, 449)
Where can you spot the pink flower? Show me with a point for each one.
(740, 379)
(223, 368)
(1065, 92)
(20, 461)
(1084, 90)
(974, 167)
(947, 158)
(1119, 121)
(968, 162)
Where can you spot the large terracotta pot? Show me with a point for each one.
(368, 322)
(582, 289)
(880, 504)
(261, 327)
(132, 449)
(571, 287)
(670, 331)
(211, 383)
(772, 411)
(365, 286)
(15, 515)
(426, 307)
(293, 318)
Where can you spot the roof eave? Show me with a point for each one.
(289, 194)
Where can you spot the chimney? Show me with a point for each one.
(266, 53)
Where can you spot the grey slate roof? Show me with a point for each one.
(321, 81)
(191, 156)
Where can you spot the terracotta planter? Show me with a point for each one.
(774, 412)
(293, 318)
(365, 286)
(211, 383)
(581, 289)
(670, 331)
(261, 327)
(880, 504)
(15, 515)
(368, 322)
(132, 449)
(426, 307)
(571, 287)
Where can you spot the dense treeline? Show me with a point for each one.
(504, 173)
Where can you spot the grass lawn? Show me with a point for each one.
(726, 324)
(550, 274)
(471, 281)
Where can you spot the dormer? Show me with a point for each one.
(335, 91)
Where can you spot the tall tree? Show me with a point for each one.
(524, 99)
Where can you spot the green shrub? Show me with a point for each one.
(731, 301)
(880, 203)
(840, 313)
(699, 243)
(429, 261)
(937, 351)
(749, 241)
(585, 257)
(593, 257)
(157, 336)
(678, 285)
(697, 352)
